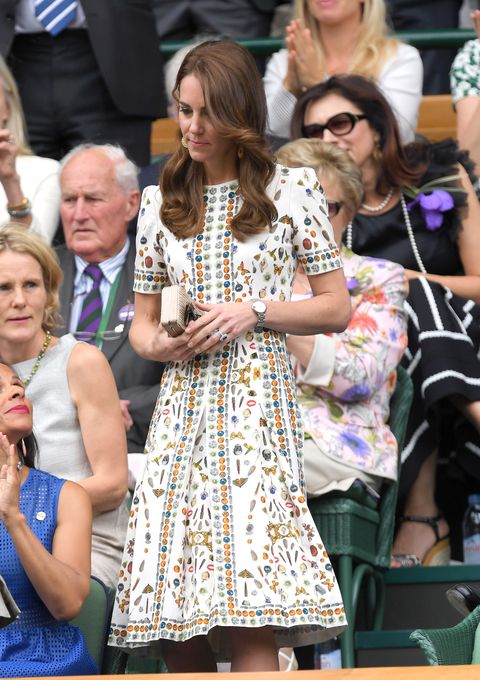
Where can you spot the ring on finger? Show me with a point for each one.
(222, 336)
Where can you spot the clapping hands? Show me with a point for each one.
(303, 69)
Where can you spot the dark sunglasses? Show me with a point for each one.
(334, 208)
(338, 125)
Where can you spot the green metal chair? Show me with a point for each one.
(94, 622)
(358, 533)
(449, 646)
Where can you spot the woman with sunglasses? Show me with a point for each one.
(342, 36)
(45, 534)
(77, 421)
(419, 209)
(345, 380)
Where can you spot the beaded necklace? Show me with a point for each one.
(380, 206)
(411, 236)
(41, 354)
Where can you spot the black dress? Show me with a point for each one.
(443, 333)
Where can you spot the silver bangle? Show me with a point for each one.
(20, 211)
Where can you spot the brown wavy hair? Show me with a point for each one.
(397, 165)
(235, 102)
(16, 238)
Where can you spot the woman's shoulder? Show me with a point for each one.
(370, 270)
(296, 175)
(151, 194)
(401, 55)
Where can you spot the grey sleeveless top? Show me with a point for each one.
(62, 453)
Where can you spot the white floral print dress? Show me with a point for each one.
(219, 532)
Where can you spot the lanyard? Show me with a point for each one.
(108, 310)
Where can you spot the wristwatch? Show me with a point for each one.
(260, 309)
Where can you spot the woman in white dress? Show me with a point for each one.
(343, 36)
(220, 535)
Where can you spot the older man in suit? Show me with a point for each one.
(100, 194)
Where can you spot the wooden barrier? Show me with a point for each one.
(436, 118)
(392, 673)
(163, 137)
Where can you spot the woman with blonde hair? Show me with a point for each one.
(342, 36)
(29, 187)
(77, 421)
(345, 380)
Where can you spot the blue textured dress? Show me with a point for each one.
(36, 644)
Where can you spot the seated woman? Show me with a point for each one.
(346, 36)
(465, 86)
(78, 421)
(29, 186)
(345, 380)
(419, 209)
(45, 531)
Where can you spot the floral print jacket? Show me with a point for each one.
(345, 390)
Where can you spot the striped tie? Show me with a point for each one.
(91, 313)
(55, 15)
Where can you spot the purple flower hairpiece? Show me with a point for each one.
(433, 205)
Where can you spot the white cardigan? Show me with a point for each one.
(401, 81)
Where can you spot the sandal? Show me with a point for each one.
(436, 556)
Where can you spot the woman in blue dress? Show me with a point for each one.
(45, 534)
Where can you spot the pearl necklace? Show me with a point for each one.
(41, 354)
(411, 236)
(381, 205)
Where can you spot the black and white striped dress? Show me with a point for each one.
(443, 337)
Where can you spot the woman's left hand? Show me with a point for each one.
(220, 324)
(9, 481)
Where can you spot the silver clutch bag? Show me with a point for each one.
(177, 310)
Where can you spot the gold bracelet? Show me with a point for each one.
(23, 209)
(24, 203)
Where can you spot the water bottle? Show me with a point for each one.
(471, 531)
(327, 655)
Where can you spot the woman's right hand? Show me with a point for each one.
(172, 349)
(9, 482)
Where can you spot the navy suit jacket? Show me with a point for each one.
(137, 379)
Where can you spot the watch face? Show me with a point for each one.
(259, 307)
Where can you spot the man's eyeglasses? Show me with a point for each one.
(334, 208)
(87, 336)
(338, 125)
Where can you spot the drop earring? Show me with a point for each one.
(240, 152)
(21, 455)
(184, 142)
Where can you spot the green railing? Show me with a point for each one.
(420, 39)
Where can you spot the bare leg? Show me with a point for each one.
(412, 537)
(253, 649)
(192, 656)
(470, 409)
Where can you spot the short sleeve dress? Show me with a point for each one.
(220, 533)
